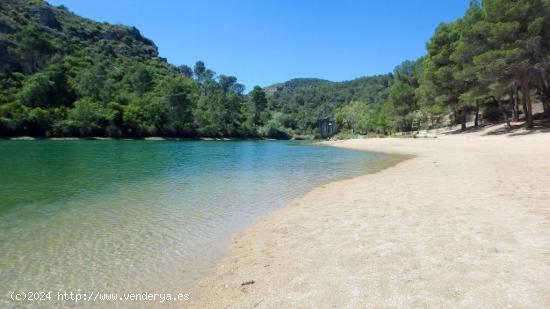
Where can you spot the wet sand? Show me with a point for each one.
(464, 223)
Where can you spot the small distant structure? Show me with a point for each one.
(327, 127)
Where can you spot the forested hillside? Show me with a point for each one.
(64, 75)
(489, 65)
(320, 97)
(379, 104)
(304, 100)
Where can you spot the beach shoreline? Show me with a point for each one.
(463, 223)
(147, 138)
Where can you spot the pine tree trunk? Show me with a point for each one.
(524, 105)
(527, 103)
(515, 105)
(463, 120)
(517, 101)
(504, 115)
(476, 120)
(546, 107)
(545, 98)
(456, 119)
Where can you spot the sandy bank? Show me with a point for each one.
(466, 223)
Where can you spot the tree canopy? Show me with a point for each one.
(64, 75)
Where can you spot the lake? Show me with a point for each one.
(148, 215)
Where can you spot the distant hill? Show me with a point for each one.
(65, 75)
(295, 84)
(320, 97)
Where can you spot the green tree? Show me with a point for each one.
(226, 82)
(185, 70)
(48, 89)
(202, 74)
(470, 45)
(257, 104)
(275, 127)
(93, 82)
(514, 35)
(179, 95)
(139, 80)
(440, 70)
(356, 117)
(34, 47)
(402, 94)
(89, 117)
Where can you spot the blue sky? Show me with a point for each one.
(268, 41)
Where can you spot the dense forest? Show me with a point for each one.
(304, 100)
(64, 75)
(488, 66)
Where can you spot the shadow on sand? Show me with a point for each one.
(518, 129)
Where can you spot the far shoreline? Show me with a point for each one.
(149, 138)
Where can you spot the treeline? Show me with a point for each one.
(303, 101)
(63, 75)
(491, 65)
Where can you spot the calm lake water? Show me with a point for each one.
(148, 215)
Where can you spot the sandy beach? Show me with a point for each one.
(464, 223)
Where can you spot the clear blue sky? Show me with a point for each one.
(267, 41)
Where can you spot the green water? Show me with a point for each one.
(123, 215)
